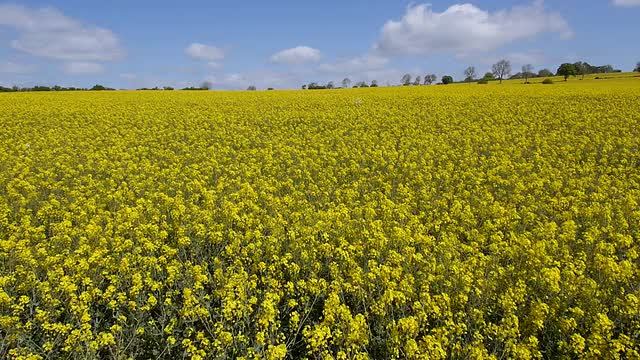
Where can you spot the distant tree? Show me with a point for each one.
(374, 83)
(330, 85)
(315, 86)
(270, 88)
(251, 88)
(406, 80)
(582, 68)
(605, 69)
(527, 72)
(501, 69)
(447, 79)
(470, 73)
(361, 84)
(516, 76)
(100, 87)
(206, 85)
(346, 82)
(488, 76)
(167, 88)
(566, 70)
(417, 80)
(304, 87)
(545, 73)
(430, 79)
(637, 69)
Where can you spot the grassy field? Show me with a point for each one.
(462, 221)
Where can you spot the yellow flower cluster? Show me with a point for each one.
(420, 223)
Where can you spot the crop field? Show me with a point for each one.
(435, 222)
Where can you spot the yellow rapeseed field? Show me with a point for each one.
(462, 222)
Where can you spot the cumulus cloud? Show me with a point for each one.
(297, 55)
(465, 28)
(626, 2)
(48, 33)
(15, 68)
(83, 68)
(205, 52)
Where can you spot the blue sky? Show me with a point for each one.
(131, 44)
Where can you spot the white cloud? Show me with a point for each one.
(465, 28)
(356, 64)
(297, 55)
(15, 68)
(626, 2)
(205, 52)
(83, 68)
(48, 33)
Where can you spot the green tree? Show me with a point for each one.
(566, 70)
(582, 68)
(545, 73)
(447, 79)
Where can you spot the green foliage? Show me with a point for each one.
(566, 70)
(547, 81)
(545, 73)
(447, 79)
(488, 76)
(99, 87)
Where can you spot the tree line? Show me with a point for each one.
(502, 70)
(16, 88)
